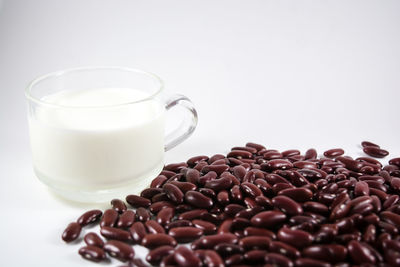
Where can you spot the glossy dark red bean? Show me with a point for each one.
(225, 249)
(89, 217)
(165, 215)
(185, 234)
(311, 154)
(173, 193)
(329, 253)
(276, 164)
(278, 260)
(194, 160)
(395, 183)
(119, 250)
(92, 253)
(72, 232)
(175, 167)
(92, 239)
(207, 227)
(284, 249)
(287, 205)
(268, 219)
(360, 253)
(126, 219)
(218, 169)
(186, 258)
(297, 238)
(361, 189)
(138, 232)
(235, 259)
(150, 192)
(395, 161)
(315, 207)
(154, 227)
(210, 241)
(142, 214)
(255, 145)
(367, 143)
(304, 164)
(307, 262)
(158, 181)
(211, 258)
(115, 233)
(392, 200)
(375, 152)
(198, 200)
(193, 214)
(335, 152)
(250, 189)
(137, 201)
(255, 242)
(178, 223)
(151, 241)
(297, 194)
(391, 217)
(156, 255)
(184, 186)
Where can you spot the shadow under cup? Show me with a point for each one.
(99, 132)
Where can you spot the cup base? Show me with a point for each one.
(77, 194)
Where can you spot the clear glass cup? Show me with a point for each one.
(99, 132)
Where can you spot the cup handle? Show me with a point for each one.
(186, 127)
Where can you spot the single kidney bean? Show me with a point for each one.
(207, 227)
(156, 255)
(297, 238)
(173, 193)
(304, 164)
(92, 239)
(284, 249)
(210, 241)
(239, 172)
(150, 192)
(360, 253)
(255, 145)
(175, 167)
(194, 160)
(310, 154)
(185, 234)
(184, 186)
(92, 253)
(218, 169)
(297, 194)
(255, 242)
(329, 253)
(178, 223)
(375, 152)
(198, 200)
(254, 256)
(159, 198)
(287, 205)
(278, 260)
(367, 143)
(71, 232)
(361, 189)
(272, 155)
(395, 183)
(219, 184)
(335, 152)
(192, 214)
(156, 240)
(395, 161)
(90, 216)
(211, 258)
(142, 214)
(276, 164)
(235, 259)
(255, 231)
(165, 215)
(115, 233)
(119, 250)
(232, 209)
(126, 219)
(392, 200)
(156, 207)
(193, 175)
(154, 227)
(138, 232)
(109, 218)
(158, 181)
(307, 262)
(390, 217)
(250, 189)
(268, 219)
(138, 201)
(186, 258)
(225, 249)
(118, 205)
(315, 207)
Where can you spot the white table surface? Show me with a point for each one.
(288, 74)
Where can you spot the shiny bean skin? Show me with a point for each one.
(297, 238)
(142, 214)
(173, 193)
(335, 152)
(92, 239)
(89, 217)
(126, 219)
(138, 232)
(209, 242)
(72, 232)
(268, 219)
(156, 255)
(184, 186)
(185, 234)
(115, 233)
(375, 152)
(158, 181)
(250, 189)
(150, 192)
(186, 258)
(207, 227)
(254, 256)
(218, 169)
(151, 241)
(192, 214)
(119, 250)
(330, 253)
(92, 253)
(234, 260)
(255, 242)
(109, 218)
(390, 217)
(284, 249)
(278, 260)
(137, 201)
(297, 194)
(219, 184)
(212, 259)
(307, 262)
(198, 200)
(118, 205)
(360, 253)
(315, 207)
(178, 223)
(361, 189)
(156, 207)
(165, 216)
(311, 154)
(287, 205)
(154, 227)
(276, 164)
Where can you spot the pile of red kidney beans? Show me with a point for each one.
(256, 206)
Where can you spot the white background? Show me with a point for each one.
(288, 74)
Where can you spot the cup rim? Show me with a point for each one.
(30, 97)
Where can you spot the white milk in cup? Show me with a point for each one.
(99, 133)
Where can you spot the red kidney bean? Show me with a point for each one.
(255, 145)
(219, 184)
(268, 219)
(225, 226)
(207, 227)
(178, 223)
(272, 155)
(173, 193)
(218, 169)
(360, 253)
(223, 197)
(297, 194)
(310, 154)
(350, 164)
(160, 198)
(198, 200)
(375, 152)
(290, 152)
(71, 232)
(304, 164)
(119, 250)
(126, 219)
(255, 242)
(315, 207)
(186, 258)
(194, 160)
(118, 205)
(276, 188)
(137, 201)
(239, 172)
(255, 231)
(154, 227)
(297, 238)
(370, 234)
(225, 249)
(307, 262)
(142, 214)
(326, 233)
(150, 192)
(390, 217)
(165, 216)
(156, 207)
(392, 200)
(395, 183)
(156, 240)
(92, 239)
(109, 218)
(209, 242)
(278, 260)
(335, 152)
(158, 181)
(156, 255)
(240, 154)
(193, 214)
(89, 217)
(361, 189)
(330, 253)
(208, 192)
(367, 143)
(184, 186)
(235, 259)
(395, 161)
(185, 234)
(250, 189)
(174, 167)
(284, 249)
(287, 205)
(276, 164)
(115, 233)
(138, 232)
(254, 256)
(193, 175)
(92, 253)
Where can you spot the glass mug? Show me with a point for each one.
(99, 132)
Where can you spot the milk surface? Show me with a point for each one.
(89, 145)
